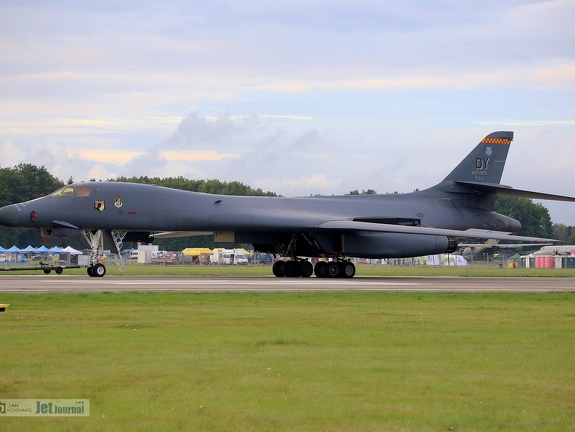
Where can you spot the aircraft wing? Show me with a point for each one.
(501, 245)
(509, 191)
(350, 225)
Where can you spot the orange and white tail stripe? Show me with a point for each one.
(495, 141)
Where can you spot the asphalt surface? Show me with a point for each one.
(40, 283)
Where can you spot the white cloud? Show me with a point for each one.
(196, 155)
(12, 154)
(117, 157)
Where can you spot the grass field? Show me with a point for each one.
(353, 361)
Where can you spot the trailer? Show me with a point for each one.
(166, 257)
(45, 267)
(229, 257)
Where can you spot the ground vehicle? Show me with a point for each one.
(229, 257)
(166, 257)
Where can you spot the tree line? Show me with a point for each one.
(26, 181)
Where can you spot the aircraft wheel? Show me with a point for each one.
(90, 271)
(306, 269)
(320, 269)
(59, 270)
(333, 270)
(278, 268)
(291, 269)
(47, 271)
(347, 269)
(99, 270)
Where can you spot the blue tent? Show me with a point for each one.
(14, 249)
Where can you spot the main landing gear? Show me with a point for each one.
(323, 269)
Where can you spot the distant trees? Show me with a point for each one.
(22, 183)
(25, 182)
(363, 192)
(534, 217)
(564, 233)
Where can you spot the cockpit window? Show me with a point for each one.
(83, 191)
(68, 191)
(63, 192)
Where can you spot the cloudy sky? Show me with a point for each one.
(297, 97)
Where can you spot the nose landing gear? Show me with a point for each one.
(96, 242)
(98, 270)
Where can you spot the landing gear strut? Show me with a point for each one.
(96, 242)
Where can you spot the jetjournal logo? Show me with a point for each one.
(45, 407)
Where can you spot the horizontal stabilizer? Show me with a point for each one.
(493, 188)
(349, 225)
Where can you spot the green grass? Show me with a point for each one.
(294, 361)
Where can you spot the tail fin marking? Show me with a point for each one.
(480, 172)
(485, 163)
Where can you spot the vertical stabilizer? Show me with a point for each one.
(486, 162)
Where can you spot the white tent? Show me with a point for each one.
(72, 251)
(445, 259)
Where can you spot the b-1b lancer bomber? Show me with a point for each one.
(425, 222)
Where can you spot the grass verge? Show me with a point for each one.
(343, 361)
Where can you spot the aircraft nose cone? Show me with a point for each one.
(9, 215)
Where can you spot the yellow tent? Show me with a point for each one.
(196, 251)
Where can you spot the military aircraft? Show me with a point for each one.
(425, 222)
(556, 250)
(473, 250)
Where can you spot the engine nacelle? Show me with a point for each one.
(501, 222)
(394, 245)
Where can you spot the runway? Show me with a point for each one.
(35, 284)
